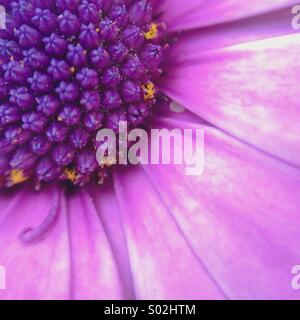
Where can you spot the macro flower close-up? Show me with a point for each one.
(74, 228)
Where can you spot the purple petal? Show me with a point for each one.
(249, 89)
(240, 216)
(181, 15)
(157, 249)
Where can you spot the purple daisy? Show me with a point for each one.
(71, 67)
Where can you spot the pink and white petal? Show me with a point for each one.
(109, 214)
(197, 42)
(9, 200)
(94, 270)
(190, 14)
(241, 216)
(174, 110)
(40, 270)
(163, 264)
(249, 90)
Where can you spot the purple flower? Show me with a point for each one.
(149, 232)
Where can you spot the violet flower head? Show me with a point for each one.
(57, 57)
(72, 229)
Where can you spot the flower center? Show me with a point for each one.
(69, 68)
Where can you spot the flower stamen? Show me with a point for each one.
(30, 235)
(17, 176)
(71, 174)
(152, 33)
(149, 91)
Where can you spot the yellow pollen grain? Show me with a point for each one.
(60, 119)
(108, 162)
(101, 178)
(149, 90)
(71, 174)
(17, 176)
(72, 70)
(152, 33)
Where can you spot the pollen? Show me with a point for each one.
(149, 91)
(101, 178)
(17, 176)
(152, 33)
(71, 174)
(72, 70)
(108, 162)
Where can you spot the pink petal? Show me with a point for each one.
(94, 271)
(249, 90)
(197, 42)
(163, 264)
(74, 260)
(109, 214)
(182, 15)
(241, 216)
(33, 271)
